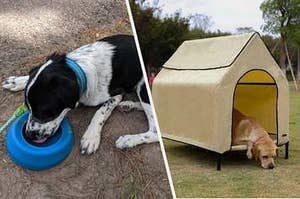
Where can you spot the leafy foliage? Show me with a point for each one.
(158, 37)
(282, 16)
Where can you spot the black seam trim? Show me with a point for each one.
(255, 83)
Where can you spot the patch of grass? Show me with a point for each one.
(194, 170)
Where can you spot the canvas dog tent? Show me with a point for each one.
(195, 92)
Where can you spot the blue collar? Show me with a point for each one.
(80, 74)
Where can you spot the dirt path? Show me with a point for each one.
(30, 30)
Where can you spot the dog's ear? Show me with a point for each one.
(255, 152)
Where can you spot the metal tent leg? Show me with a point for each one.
(219, 161)
(287, 150)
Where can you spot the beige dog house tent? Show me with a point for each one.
(195, 92)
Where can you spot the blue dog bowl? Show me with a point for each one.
(34, 156)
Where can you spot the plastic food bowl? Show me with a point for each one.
(34, 156)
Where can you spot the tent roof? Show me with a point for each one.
(210, 53)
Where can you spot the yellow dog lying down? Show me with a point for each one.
(259, 144)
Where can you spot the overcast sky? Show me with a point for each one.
(226, 15)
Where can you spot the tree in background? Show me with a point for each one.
(199, 25)
(159, 37)
(293, 31)
(241, 30)
(278, 16)
(200, 21)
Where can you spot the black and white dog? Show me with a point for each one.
(97, 73)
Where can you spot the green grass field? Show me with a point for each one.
(194, 170)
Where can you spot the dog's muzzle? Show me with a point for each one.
(39, 132)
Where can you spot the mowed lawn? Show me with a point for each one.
(194, 170)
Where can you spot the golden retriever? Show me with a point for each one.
(248, 131)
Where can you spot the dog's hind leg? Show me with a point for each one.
(15, 83)
(91, 139)
(129, 141)
(249, 150)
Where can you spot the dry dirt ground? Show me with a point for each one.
(29, 31)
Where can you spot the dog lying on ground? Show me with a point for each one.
(259, 144)
(94, 74)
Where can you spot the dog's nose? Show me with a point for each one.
(31, 134)
(271, 166)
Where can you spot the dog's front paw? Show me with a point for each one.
(15, 83)
(89, 142)
(126, 141)
(249, 154)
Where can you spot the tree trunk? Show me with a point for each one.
(298, 63)
(274, 48)
(290, 65)
(282, 62)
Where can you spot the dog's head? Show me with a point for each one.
(52, 90)
(265, 151)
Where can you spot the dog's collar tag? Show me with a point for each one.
(80, 74)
